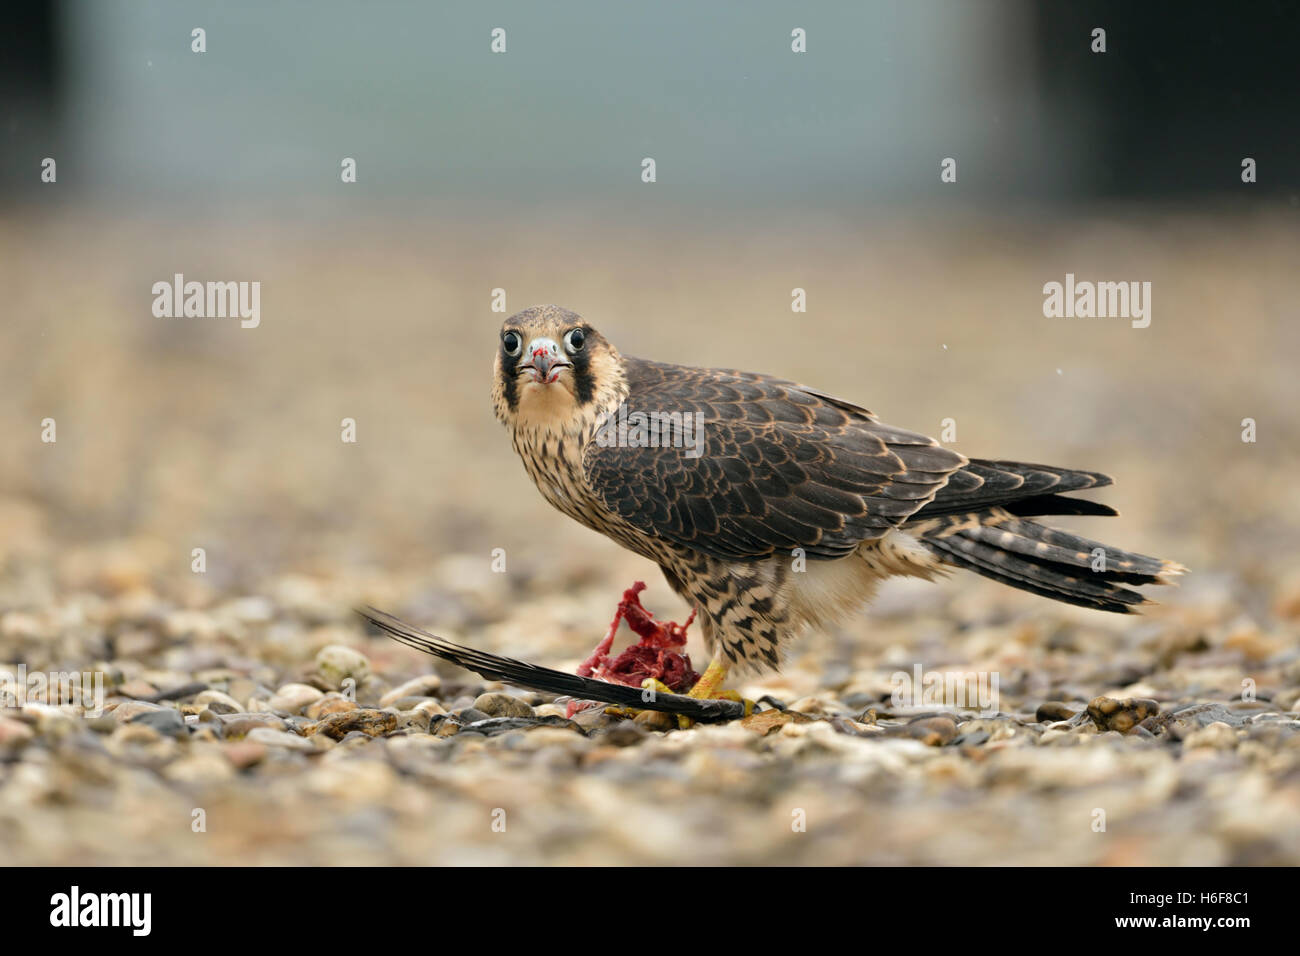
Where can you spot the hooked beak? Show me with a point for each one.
(544, 361)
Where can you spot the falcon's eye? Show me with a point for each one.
(511, 343)
(573, 341)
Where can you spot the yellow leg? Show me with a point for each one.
(707, 688)
(710, 680)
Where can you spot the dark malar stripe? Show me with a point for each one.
(584, 383)
(508, 384)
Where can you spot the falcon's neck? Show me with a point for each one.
(550, 429)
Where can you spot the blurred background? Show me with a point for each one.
(712, 91)
(522, 171)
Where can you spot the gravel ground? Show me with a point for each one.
(250, 719)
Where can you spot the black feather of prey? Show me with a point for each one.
(545, 679)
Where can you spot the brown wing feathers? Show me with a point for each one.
(986, 484)
(781, 468)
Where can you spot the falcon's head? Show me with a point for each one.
(552, 367)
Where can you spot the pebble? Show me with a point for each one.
(165, 721)
(654, 720)
(16, 625)
(199, 768)
(410, 703)
(245, 753)
(372, 723)
(331, 703)
(240, 725)
(594, 718)
(132, 708)
(218, 702)
(814, 706)
(434, 709)
(50, 719)
(278, 738)
(1052, 711)
(292, 698)
(14, 733)
(770, 721)
(1217, 736)
(134, 733)
(501, 705)
(142, 745)
(103, 724)
(138, 689)
(1121, 715)
(932, 731)
(336, 663)
(370, 690)
(244, 688)
(623, 734)
(425, 686)
(414, 720)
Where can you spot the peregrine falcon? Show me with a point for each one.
(771, 507)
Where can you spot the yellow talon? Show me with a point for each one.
(656, 685)
(735, 695)
(652, 684)
(707, 688)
